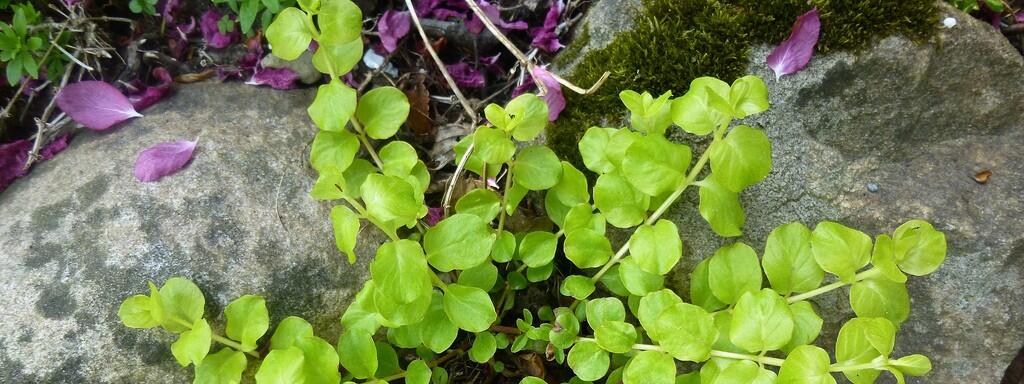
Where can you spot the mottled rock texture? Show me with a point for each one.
(81, 234)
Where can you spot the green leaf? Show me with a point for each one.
(566, 329)
(289, 330)
(482, 203)
(288, 35)
(648, 114)
(135, 312)
(613, 283)
(721, 208)
(337, 57)
(417, 373)
(761, 321)
(469, 308)
(483, 276)
(193, 345)
(636, 280)
(247, 14)
(695, 112)
(180, 304)
(329, 185)
(618, 142)
(605, 309)
(788, 261)
(536, 168)
(382, 111)
(401, 276)
(223, 367)
(880, 298)
(656, 248)
(615, 336)
(588, 361)
(700, 288)
(579, 287)
(355, 175)
(723, 323)
(652, 305)
(497, 116)
(493, 146)
(538, 248)
(884, 259)
(733, 271)
(541, 273)
(320, 360)
(333, 151)
(483, 347)
(333, 106)
(461, 241)
(913, 365)
(622, 205)
(593, 147)
(248, 320)
(806, 325)
(650, 367)
(655, 166)
(744, 371)
(282, 366)
(860, 341)
(572, 188)
(583, 216)
(807, 364)
(439, 376)
(586, 248)
(360, 314)
(748, 96)
(399, 158)
(742, 159)
(686, 331)
(920, 249)
(504, 247)
(346, 229)
(840, 250)
(532, 380)
(529, 116)
(357, 353)
(436, 331)
(391, 200)
(339, 21)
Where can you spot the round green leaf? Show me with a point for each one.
(288, 35)
(583, 216)
(360, 314)
(493, 146)
(529, 116)
(417, 373)
(483, 347)
(840, 250)
(248, 320)
(743, 159)
(346, 229)
(329, 184)
(339, 21)
(656, 248)
(399, 158)
(650, 367)
(605, 309)
(179, 303)
(387, 360)
(504, 247)
(884, 259)
(436, 331)
(721, 208)
(320, 360)
(748, 95)
(193, 345)
(223, 367)
(282, 366)
(615, 336)
(913, 365)
(806, 325)
(618, 143)
(647, 114)
(655, 166)
(571, 189)
(333, 151)
(532, 380)
(482, 203)
(693, 111)
(483, 276)
(337, 57)
(357, 353)
(588, 361)
(700, 288)
(401, 276)
(291, 329)
(861, 340)
(391, 200)
(461, 241)
(135, 312)
(621, 204)
(744, 371)
(333, 106)
(586, 248)
(733, 271)
(651, 307)
(788, 261)
(920, 249)
(880, 298)
(686, 331)
(382, 111)
(541, 273)
(536, 168)
(538, 248)
(579, 287)
(469, 308)
(593, 149)
(636, 280)
(761, 321)
(807, 364)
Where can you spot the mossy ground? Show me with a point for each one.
(675, 41)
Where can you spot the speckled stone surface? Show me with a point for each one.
(80, 234)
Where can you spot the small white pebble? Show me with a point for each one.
(949, 22)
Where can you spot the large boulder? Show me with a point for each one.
(80, 234)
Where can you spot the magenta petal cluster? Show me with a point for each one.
(163, 159)
(466, 76)
(277, 78)
(145, 96)
(433, 216)
(475, 25)
(95, 104)
(554, 97)
(544, 37)
(793, 54)
(215, 39)
(13, 156)
(393, 26)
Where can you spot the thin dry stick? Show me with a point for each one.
(41, 123)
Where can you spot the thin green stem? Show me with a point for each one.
(362, 213)
(836, 285)
(765, 360)
(433, 363)
(504, 201)
(434, 278)
(856, 367)
(218, 338)
(366, 143)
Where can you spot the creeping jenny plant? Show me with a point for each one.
(446, 290)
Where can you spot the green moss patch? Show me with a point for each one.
(675, 41)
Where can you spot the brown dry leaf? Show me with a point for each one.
(532, 363)
(194, 77)
(419, 106)
(982, 177)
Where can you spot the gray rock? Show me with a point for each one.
(81, 234)
(918, 121)
(603, 22)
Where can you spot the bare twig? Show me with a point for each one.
(41, 121)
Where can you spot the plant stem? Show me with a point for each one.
(433, 363)
(218, 338)
(714, 353)
(856, 367)
(504, 201)
(366, 143)
(362, 212)
(836, 285)
(440, 65)
(437, 282)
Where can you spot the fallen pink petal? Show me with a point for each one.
(475, 25)
(95, 104)
(793, 54)
(466, 76)
(544, 37)
(146, 95)
(277, 78)
(163, 159)
(393, 26)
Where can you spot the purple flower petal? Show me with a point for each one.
(794, 53)
(277, 78)
(554, 97)
(466, 76)
(448, 14)
(433, 216)
(168, 8)
(13, 156)
(95, 104)
(393, 26)
(163, 159)
(211, 32)
(145, 96)
(475, 25)
(544, 37)
(1019, 17)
